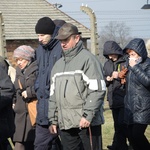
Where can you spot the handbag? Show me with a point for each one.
(32, 111)
(31, 106)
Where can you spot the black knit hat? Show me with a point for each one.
(45, 26)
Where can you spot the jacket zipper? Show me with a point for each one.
(60, 106)
(129, 76)
(65, 89)
(61, 99)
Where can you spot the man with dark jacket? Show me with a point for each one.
(47, 53)
(116, 91)
(7, 126)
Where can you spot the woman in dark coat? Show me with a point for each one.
(26, 74)
(137, 99)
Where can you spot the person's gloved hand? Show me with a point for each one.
(123, 80)
(122, 73)
(24, 94)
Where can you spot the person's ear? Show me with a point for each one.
(77, 38)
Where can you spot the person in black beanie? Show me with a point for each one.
(45, 26)
(47, 53)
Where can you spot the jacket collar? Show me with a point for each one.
(71, 53)
(52, 42)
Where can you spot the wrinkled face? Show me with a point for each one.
(132, 54)
(70, 42)
(113, 57)
(21, 62)
(44, 38)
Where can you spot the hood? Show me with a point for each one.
(59, 22)
(111, 47)
(138, 46)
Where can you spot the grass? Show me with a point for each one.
(107, 128)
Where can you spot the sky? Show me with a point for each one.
(121, 11)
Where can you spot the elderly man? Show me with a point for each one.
(77, 93)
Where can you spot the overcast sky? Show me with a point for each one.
(127, 11)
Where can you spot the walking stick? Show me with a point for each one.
(91, 142)
(90, 133)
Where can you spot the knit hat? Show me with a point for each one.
(67, 30)
(45, 26)
(25, 52)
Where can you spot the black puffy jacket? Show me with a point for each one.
(7, 126)
(137, 99)
(116, 91)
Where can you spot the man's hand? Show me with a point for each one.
(115, 74)
(13, 106)
(108, 78)
(84, 123)
(53, 129)
(24, 94)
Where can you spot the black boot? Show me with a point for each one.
(111, 147)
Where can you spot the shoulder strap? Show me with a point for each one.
(20, 85)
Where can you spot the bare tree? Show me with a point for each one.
(115, 31)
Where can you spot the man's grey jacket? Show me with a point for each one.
(77, 89)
